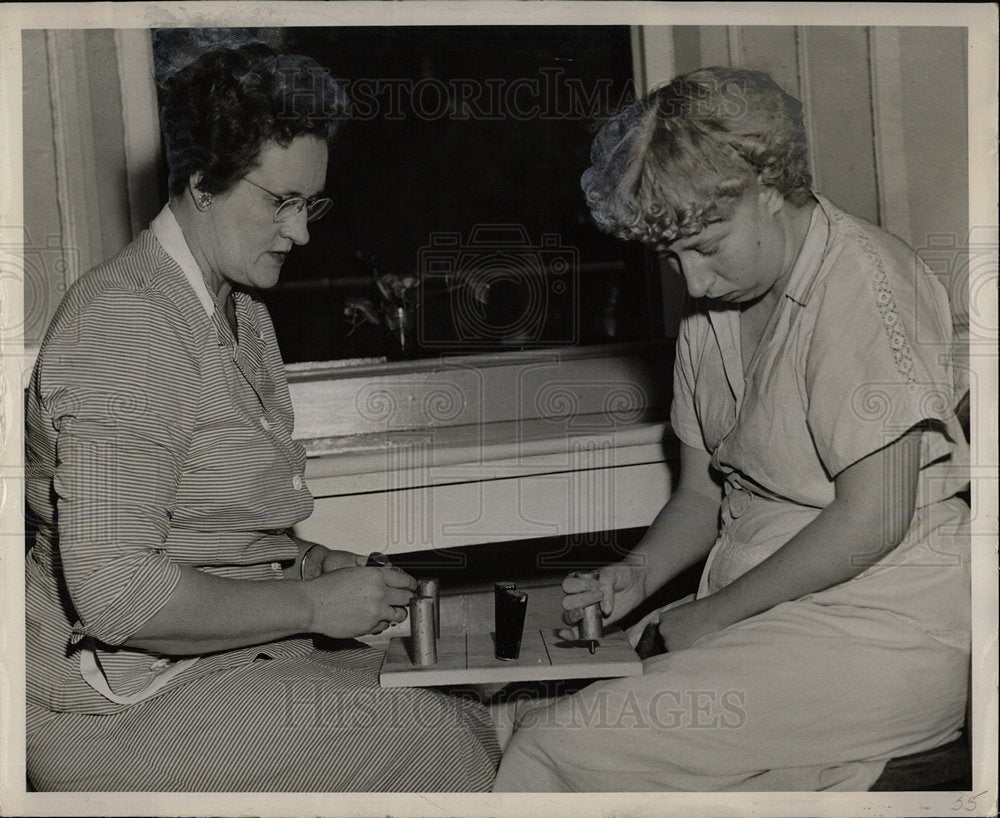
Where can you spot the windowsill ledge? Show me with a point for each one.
(492, 451)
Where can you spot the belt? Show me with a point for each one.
(740, 493)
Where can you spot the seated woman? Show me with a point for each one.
(172, 615)
(820, 457)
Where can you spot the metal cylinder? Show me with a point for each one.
(423, 645)
(592, 624)
(431, 587)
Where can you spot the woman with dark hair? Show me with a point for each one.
(820, 459)
(179, 636)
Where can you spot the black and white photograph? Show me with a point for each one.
(500, 408)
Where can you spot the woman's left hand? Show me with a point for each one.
(684, 625)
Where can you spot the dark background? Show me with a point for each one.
(414, 162)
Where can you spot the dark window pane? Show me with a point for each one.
(460, 166)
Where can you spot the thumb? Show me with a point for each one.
(607, 598)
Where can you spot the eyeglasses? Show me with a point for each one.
(288, 207)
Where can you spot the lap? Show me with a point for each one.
(803, 685)
(315, 723)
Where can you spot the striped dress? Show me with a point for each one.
(156, 437)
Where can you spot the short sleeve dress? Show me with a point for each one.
(818, 692)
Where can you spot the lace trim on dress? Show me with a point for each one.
(902, 352)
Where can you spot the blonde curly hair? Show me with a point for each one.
(679, 159)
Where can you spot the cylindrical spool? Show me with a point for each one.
(431, 587)
(592, 624)
(509, 617)
(500, 588)
(423, 645)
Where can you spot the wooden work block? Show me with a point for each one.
(469, 659)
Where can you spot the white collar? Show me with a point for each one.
(168, 232)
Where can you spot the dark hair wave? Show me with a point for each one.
(219, 112)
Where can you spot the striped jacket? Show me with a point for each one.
(154, 439)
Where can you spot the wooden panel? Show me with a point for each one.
(772, 49)
(562, 383)
(887, 110)
(105, 111)
(469, 659)
(935, 134)
(687, 48)
(838, 96)
(47, 266)
(714, 46)
(652, 56)
(456, 515)
(144, 162)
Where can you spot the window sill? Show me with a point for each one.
(554, 443)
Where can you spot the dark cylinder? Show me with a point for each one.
(499, 589)
(509, 620)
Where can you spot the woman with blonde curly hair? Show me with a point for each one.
(820, 459)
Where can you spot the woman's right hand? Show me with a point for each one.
(353, 602)
(619, 587)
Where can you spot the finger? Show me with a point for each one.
(572, 616)
(399, 597)
(581, 600)
(395, 578)
(607, 599)
(400, 615)
(569, 634)
(574, 584)
(389, 615)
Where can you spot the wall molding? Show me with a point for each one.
(73, 149)
(143, 147)
(805, 97)
(653, 60)
(888, 131)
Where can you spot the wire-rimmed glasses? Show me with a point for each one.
(288, 207)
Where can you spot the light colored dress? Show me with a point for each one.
(156, 437)
(815, 693)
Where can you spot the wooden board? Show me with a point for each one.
(469, 659)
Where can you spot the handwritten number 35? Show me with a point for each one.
(968, 802)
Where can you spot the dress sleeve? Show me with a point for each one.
(877, 361)
(683, 417)
(120, 388)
